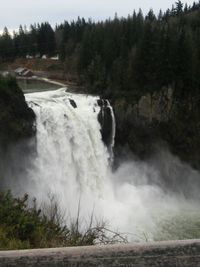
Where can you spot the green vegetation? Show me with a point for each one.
(26, 227)
(40, 39)
(123, 59)
(23, 225)
(16, 118)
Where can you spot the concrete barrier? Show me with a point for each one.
(164, 254)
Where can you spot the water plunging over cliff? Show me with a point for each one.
(71, 161)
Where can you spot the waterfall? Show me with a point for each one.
(71, 162)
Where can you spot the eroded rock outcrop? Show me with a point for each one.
(106, 121)
(162, 118)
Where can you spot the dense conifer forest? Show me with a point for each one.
(120, 56)
(123, 59)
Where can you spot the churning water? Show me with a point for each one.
(73, 164)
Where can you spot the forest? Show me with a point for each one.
(123, 59)
(121, 56)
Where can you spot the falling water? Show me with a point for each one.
(72, 163)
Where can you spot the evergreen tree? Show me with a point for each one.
(6, 46)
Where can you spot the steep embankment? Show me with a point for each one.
(157, 120)
(16, 118)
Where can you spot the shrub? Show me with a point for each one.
(24, 226)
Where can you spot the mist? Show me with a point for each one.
(156, 199)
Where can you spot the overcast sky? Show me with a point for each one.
(16, 12)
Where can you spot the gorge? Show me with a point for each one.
(67, 160)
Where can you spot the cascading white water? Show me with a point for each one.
(71, 159)
(72, 163)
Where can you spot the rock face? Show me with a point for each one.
(163, 117)
(16, 118)
(106, 121)
(157, 106)
(73, 103)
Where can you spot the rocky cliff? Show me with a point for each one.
(163, 118)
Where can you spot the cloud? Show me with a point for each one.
(27, 12)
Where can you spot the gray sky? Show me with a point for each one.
(16, 12)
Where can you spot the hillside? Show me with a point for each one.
(127, 60)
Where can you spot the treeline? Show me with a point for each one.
(122, 57)
(128, 57)
(37, 41)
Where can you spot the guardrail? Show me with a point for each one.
(162, 254)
